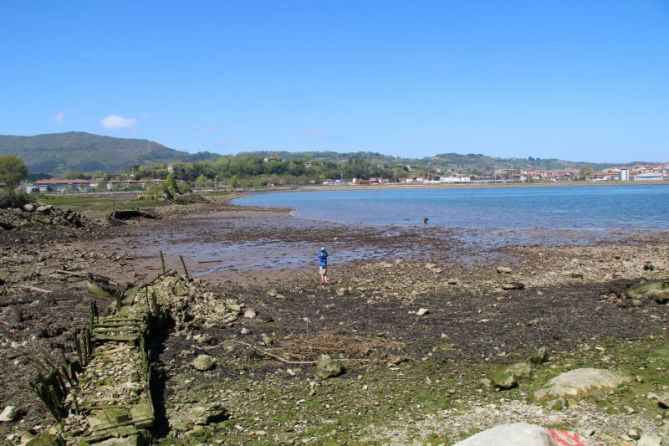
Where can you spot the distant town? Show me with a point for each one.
(128, 182)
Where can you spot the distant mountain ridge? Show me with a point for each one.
(59, 153)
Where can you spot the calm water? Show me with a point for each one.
(590, 208)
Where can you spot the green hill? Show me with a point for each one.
(59, 153)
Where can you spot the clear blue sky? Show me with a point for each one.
(572, 79)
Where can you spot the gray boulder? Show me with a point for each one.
(203, 363)
(579, 382)
(518, 434)
(326, 367)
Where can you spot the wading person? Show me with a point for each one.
(323, 266)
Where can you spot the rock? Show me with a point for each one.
(662, 297)
(662, 399)
(558, 404)
(272, 293)
(576, 274)
(520, 369)
(203, 363)
(648, 266)
(29, 207)
(46, 439)
(513, 286)
(250, 314)
(539, 356)
(245, 331)
(452, 281)
(649, 288)
(44, 209)
(203, 415)
(422, 312)
(9, 414)
(326, 367)
(579, 382)
(504, 270)
(518, 434)
(342, 291)
(649, 439)
(505, 380)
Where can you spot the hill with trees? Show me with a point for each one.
(59, 153)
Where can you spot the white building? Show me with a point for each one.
(624, 175)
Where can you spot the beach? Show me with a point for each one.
(419, 317)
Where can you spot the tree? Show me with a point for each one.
(12, 172)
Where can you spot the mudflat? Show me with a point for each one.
(418, 322)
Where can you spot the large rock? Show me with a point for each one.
(523, 434)
(9, 414)
(203, 363)
(326, 367)
(652, 289)
(518, 434)
(579, 382)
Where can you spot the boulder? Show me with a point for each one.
(504, 270)
(539, 356)
(9, 414)
(505, 380)
(579, 382)
(422, 312)
(326, 367)
(648, 289)
(520, 369)
(662, 297)
(513, 286)
(46, 439)
(649, 439)
(250, 314)
(203, 363)
(518, 434)
(524, 434)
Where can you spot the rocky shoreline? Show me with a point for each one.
(419, 336)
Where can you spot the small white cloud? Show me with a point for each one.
(59, 117)
(118, 122)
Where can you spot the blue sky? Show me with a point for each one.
(571, 79)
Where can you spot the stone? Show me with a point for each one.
(46, 439)
(517, 434)
(250, 314)
(452, 281)
(9, 414)
(520, 369)
(326, 367)
(504, 380)
(539, 356)
(662, 297)
(203, 363)
(422, 312)
(662, 399)
(245, 331)
(513, 286)
(579, 382)
(648, 289)
(342, 291)
(29, 207)
(649, 439)
(44, 209)
(504, 270)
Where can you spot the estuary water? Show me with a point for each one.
(558, 208)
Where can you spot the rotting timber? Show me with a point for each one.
(105, 397)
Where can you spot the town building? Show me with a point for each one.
(649, 176)
(62, 185)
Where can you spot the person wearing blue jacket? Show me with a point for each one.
(323, 266)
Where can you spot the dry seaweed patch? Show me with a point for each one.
(336, 342)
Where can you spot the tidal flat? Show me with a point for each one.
(418, 323)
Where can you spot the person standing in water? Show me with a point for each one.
(323, 265)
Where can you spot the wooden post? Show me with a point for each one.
(162, 260)
(184, 265)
